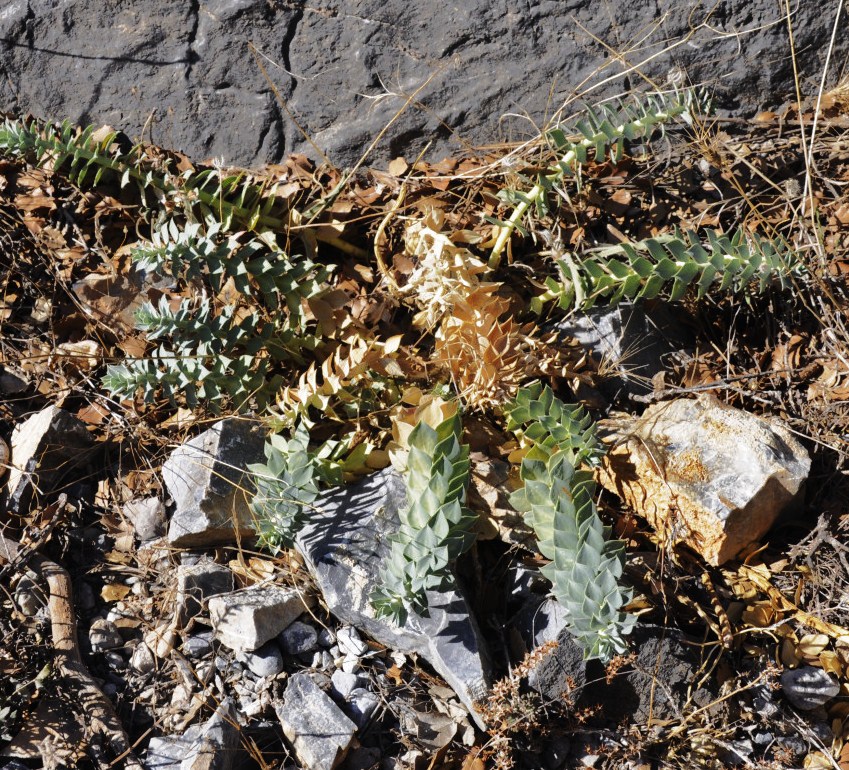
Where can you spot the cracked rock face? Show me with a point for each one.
(344, 68)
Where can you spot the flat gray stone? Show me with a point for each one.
(808, 687)
(198, 645)
(207, 480)
(315, 726)
(344, 546)
(344, 684)
(44, 449)
(361, 705)
(299, 639)
(165, 752)
(245, 620)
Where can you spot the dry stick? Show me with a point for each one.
(808, 186)
(810, 161)
(67, 661)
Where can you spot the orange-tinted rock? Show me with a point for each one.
(706, 474)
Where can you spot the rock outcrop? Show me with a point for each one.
(198, 76)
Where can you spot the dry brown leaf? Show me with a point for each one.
(760, 615)
(811, 645)
(398, 167)
(114, 592)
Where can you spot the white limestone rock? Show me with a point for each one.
(706, 474)
(245, 620)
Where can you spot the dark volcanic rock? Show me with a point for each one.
(345, 68)
(654, 687)
(345, 545)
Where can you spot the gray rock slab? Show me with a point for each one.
(195, 584)
(706, 474)
(165, 752)
(245, 620)
(183, 74)
(344, 547)
(207, 480)
(315, 726)
(44, 449)
(808, 687)
(216, 747)
(631, 342)
(563, 671)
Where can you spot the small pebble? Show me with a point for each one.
(198, 646)
(350, 642)
(763, 701)
(181, 696)
(763, 739)
(322, 661)
(266, 661)
(326, 638)
(298, 638)
(823, 732)
(344, 683)
(142, 659)
(114, 660)
(360, 706)
(350, 663)
(103, 635)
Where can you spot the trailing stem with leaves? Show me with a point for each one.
(603, 130)
(585, 565)
(216, 351)
(436, 526)
(92, 155)
(668, 265)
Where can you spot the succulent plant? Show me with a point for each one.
(436, 526)
(668, 264)
(287, 485)
(603, 130)
(557, 500)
